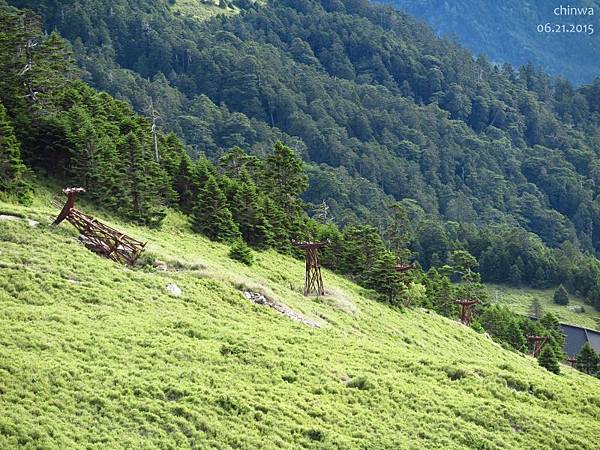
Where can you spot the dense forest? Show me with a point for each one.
(53, 124)
(516, 32)
(498, 161)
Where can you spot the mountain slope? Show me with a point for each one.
(507, 31)
(97, 354)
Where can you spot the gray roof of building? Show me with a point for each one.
(576, 337)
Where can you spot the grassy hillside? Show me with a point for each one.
(202, 10)
(519, 300)
(96, 354)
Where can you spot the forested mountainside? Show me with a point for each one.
(558, 40)
(478, 156)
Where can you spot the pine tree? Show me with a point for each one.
(362, 246)
(239, 251)
(12, 169)
(184, 183)
(279, 234)
(382, 278)
(284, 178)
(588, 360)
(399, 232)
(443, 300)
(211, 215)
(248, 214)
(236, 161)
(561, 296)
(515, 335)
(556, 339)
(536, 309)
(548, 360)
(146, 184)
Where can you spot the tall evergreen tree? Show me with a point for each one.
(248, 214)
(184, 183)
(382, 278)
(279, 233)
(211, 215)
(588, 360)
(548, 360)
(284, 178)
(12, 169)
(236, 161)
(561, 296)
(535, 309)
(145, 182)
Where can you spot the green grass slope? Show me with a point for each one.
(96, 355)
(202, 10)
(519, 300)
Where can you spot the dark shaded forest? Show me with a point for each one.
(519, 32)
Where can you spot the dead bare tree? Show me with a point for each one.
(154, 116)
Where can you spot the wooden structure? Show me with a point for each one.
(98, 237)
(313, 282)
(572, 360)
(466, 309)
(403, 267)
(536, 343)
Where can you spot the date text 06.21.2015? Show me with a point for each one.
(566, 28)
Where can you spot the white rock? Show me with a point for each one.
(32, 223)
(173, 289)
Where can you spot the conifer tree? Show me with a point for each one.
(561, 297)
(12, 169)
(399, 232)
(384, 279)
(241, 252)
(536, 309)
(248, 214)
(146, 184)
(556, 339)
(515, 275)
(236, 161)
(362, 246)
(588, 360)
(279, 234)
(184, 183)
(548, 360)
(284, 178)
(211, 215)
(443, 300)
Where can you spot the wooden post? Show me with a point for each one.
(313, 282)
(466, 309)
(71, 194)
(572, 360)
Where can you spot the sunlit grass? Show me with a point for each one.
(519, 300)
(93, 354)
(203, 9)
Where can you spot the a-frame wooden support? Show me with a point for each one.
(537, 343)
(466, 309)
(313, 282)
